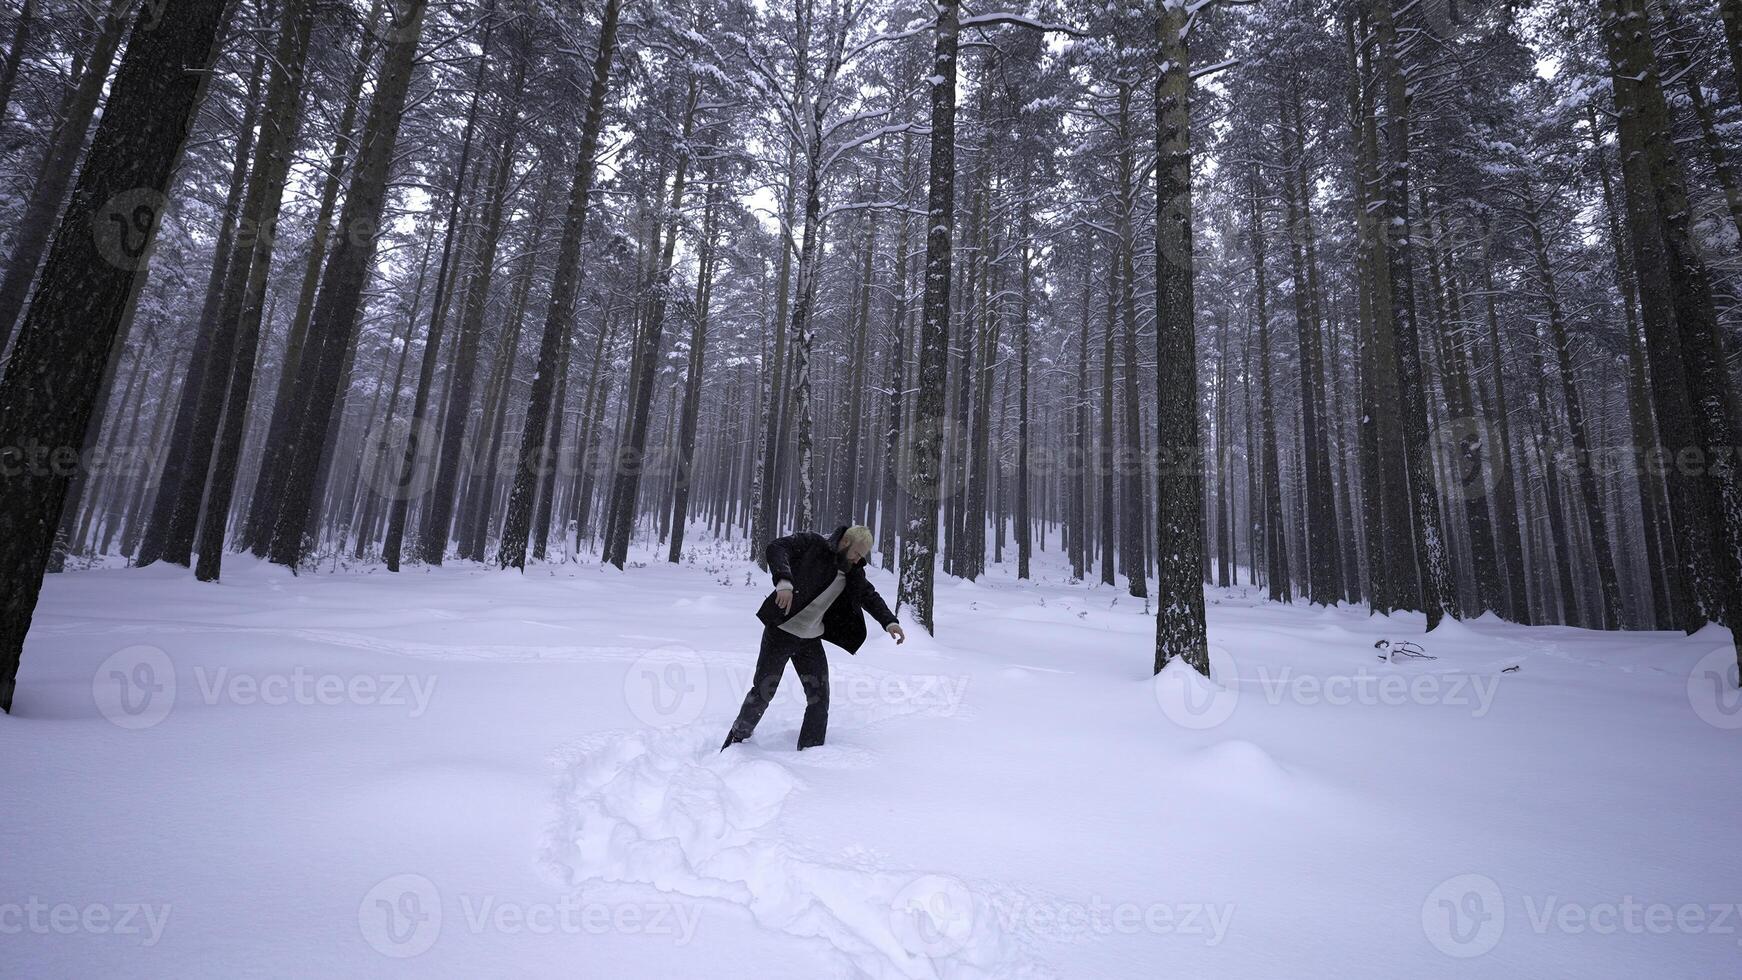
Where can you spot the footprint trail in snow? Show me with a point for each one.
(665, 808)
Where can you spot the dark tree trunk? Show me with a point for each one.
(421, 439)
(15, 54)
(238, 342)
(692, 396)
(37, 219)
(332, 330)
(438, 510)
(890, 519)
(1508, 480)
(1277, 575)
(919, 543)
(181, 432)
(1668, 261)
(1179, 621)
(1438, 593)
(1608, 600)
(1324, 584)
(560, 314)
(46, 398)
(268, 482)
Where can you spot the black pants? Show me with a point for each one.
(779, 646)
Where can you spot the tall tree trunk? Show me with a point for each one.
(802, 331)
(1080, 465)
(1559, 535)
(1672, 603)
(1508, 479)
(268, 484)
(1324, 574)
(422, 439)
(692, 395)
(142, 477)
(1438, 593)
(37, 219)
(1730, 12)
(890, 519)
(1104, 457)
(239, 339)
(850, 491)
(559, 316)
(181, 432)
(1179, 621)
(1024, 520)
(1668, 261)
(1608, 601)
(333, 328)
(380, 461)
(632, 452)
(434, 529)
(478, 512)
(919, 543)
(27, 19)
(1131, 523)
(1277, 574)
(47, 395)
(208, 389)
(452, 455)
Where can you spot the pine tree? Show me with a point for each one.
(102, 246)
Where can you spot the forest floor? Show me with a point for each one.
(461, 772)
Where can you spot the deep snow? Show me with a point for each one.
(464, 772)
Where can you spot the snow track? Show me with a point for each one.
(665, 808)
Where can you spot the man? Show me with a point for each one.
(819, 590)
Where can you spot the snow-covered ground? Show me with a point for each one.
(469, 773)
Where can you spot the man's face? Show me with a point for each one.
(854, 551)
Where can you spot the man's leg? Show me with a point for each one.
(813, 673)
(776, 650)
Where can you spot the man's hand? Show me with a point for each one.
(783, 599)
(896, 631)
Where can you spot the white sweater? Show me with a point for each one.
(808, 622)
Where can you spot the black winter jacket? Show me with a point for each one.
(809, 561)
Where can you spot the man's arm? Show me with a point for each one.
(870, 601)
(779, 555)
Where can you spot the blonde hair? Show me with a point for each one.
(858, 534)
